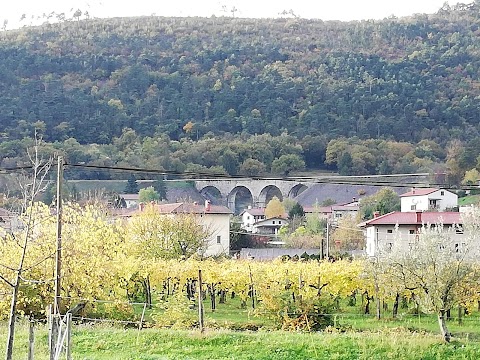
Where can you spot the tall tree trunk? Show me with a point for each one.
(443, 326)
(11, 322)
(40, 170)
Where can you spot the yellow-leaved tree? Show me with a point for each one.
(151, 236)
(274, 208)
(92, 259)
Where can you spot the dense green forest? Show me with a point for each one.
(247, 96)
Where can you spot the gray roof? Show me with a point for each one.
(339, 193)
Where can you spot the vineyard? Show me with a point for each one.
(112, 270)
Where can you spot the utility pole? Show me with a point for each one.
(327, 252)
(55, 317)
(200, 302)
(58, 257)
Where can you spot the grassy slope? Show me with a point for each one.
(469, 200)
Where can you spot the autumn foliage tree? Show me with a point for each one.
(274, 208)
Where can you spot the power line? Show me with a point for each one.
(339, 180)
(359, 180)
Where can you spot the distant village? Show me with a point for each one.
(418, 207)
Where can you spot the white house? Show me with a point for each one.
(250, 216)
(269, 226)
(342, 211)
(131, 200)
(334, 212)
(215, 218)
(428, 199)
(402, 229)
(9, 222)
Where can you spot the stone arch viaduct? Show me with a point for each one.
(260, 191)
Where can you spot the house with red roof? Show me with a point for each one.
(131, 200)
(269, 226)
(428, 199)
(335, 212)
(214, 218)
(251, 216)
(255, 221)
(401, 229)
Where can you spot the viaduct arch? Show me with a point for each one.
(237, 194)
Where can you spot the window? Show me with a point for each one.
(411, 232)
(442, 192)
(389, 246)
(457, 248)
(273, 222)
(248, 217)
(459, 229)
(219, 239)
(389, 231)
(279, 222)
(413, 207)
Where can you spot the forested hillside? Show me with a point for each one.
(191, 93)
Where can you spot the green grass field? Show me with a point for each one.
(107, 342)
(354, 335)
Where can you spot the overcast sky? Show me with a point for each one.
(320, 9)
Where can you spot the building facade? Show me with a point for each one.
(428, 199)
(402, 229)
(251, 216)
(214, 218)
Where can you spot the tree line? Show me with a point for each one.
(255, 155)
(408, 80)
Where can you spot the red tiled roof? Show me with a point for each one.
(255, 211)
(410, 218)
(185, 208)
(419, 192)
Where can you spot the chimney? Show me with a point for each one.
(354, 199)
(207, 205)
(376, 214)
(419, 216)
(249, 207)
(141, 206)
